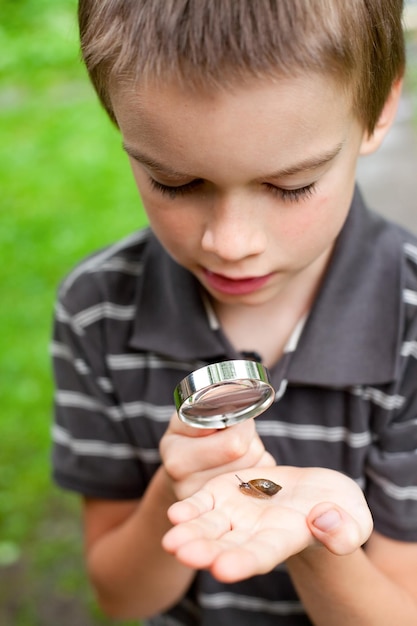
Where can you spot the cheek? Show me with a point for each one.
(313, 228)
(172, 223)
(159, 209)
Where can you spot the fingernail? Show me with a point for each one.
(327, 521)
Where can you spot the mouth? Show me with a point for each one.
(235, 286)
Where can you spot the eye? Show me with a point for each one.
(292, 195)
(174, 191)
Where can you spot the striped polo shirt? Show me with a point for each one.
(130, 323)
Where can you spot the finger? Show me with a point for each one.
(261, 552)
(255, 455)
(190, 508)
(221, 448)
(197, 541)
(231, 554)
(178, 427)
(203, 552)
(241, 562)
(337, 530)
(266, 460)
(198, 554)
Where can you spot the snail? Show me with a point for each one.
(259, 487)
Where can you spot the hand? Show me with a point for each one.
(192, 456)
(236, 536)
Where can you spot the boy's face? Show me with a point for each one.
(248, 188)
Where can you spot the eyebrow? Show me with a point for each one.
(151, 163)
(312, 163)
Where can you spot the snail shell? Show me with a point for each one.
(258, 487)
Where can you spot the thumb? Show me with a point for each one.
(337, 530)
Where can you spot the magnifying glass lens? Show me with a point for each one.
(223, 394)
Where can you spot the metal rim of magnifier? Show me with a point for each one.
(247, 382)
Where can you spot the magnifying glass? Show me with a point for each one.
(222, 394)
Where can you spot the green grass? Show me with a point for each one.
(66, 189)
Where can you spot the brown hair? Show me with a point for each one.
(216, 43)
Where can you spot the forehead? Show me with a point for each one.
(164, 111)
(153, 98)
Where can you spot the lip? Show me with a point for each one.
(235, 286)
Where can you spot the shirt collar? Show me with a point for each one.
(351, 335)
(171, 317)
(353, 331)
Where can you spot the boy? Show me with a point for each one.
(243, 122)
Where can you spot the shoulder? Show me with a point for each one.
(400, 244)
(410, 263)
(107, 275)
(406, 243)
(409, 306)
(408, 287)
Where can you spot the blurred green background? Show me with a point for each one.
(65, 189)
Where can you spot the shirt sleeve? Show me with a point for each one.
(391, 470)
(93, 452)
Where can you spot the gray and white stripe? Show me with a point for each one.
(78, 400)
(391, 489)
(226, 600)
(114, 451)
(94, 263)
(378, 397)
(410, 251)
(331, 434)
(152, 361)
(410, 297)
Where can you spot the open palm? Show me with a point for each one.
(237, 536)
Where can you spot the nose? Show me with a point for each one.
(234, 230)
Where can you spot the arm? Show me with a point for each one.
(131, 573)
(338, 581)
(372, 587)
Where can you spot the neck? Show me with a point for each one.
(266, 328)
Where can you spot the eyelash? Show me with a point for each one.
(173, 192)
(293, 195)
(287, 195)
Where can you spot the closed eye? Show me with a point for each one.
(292, 195)
(174, 191)
(287, 195)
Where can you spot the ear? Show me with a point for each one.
(371, 142)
